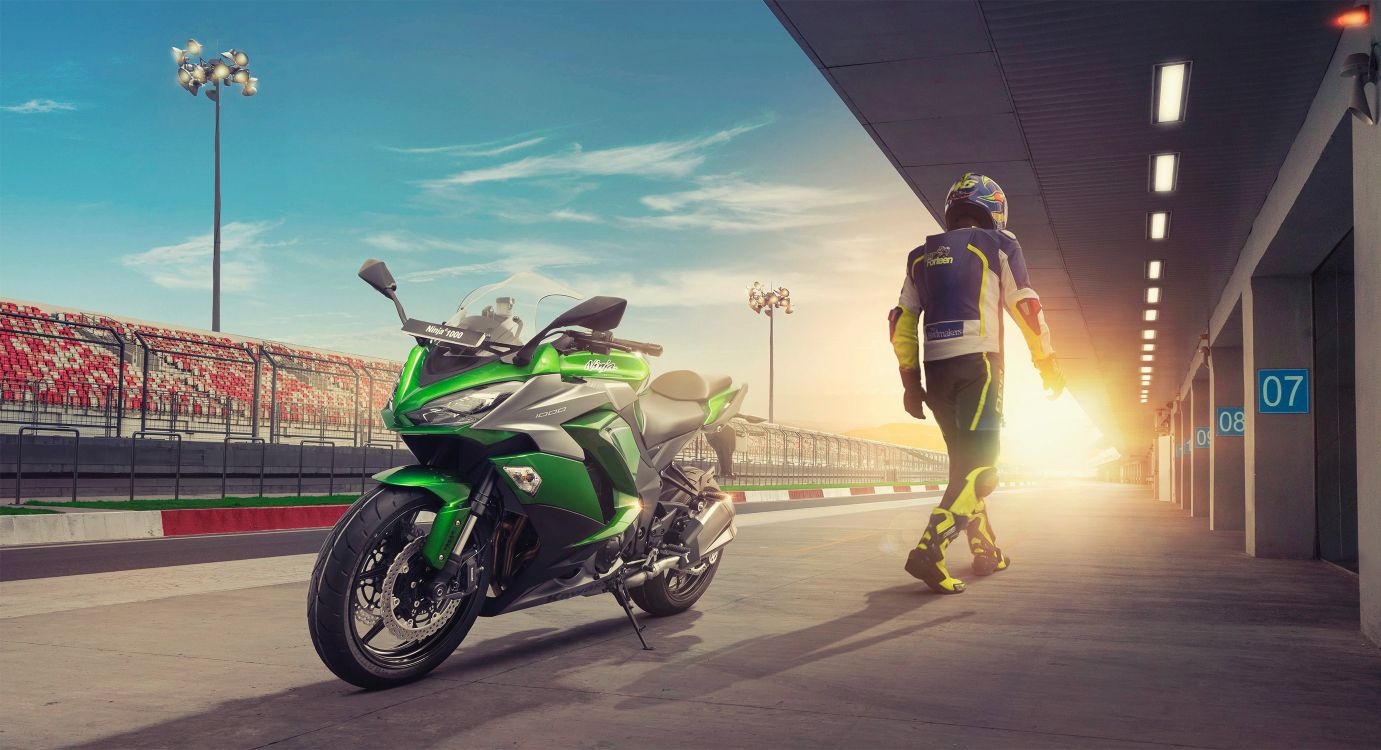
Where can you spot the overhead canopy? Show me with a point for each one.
(1054, 101)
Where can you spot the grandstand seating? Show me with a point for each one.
(199, 381)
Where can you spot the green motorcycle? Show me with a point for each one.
(545, 470)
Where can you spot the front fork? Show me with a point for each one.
(450, 535)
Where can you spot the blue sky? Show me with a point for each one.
(669, 153)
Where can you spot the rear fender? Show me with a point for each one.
(454, 494)
(725, 405)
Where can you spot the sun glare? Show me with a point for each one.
(1056, 437)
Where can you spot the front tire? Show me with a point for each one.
(344, 596)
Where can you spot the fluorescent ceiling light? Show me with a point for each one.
(1148, 334)
(1148, 347)
(1150, 315)
(1158, 225)
(1163, 171)
(1148, 357)
(1153, 295)
(1153, 269)
(1171, 86)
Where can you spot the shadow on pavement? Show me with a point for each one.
(744, 660)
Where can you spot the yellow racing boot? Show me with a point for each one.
(927, 560)
(988, 558)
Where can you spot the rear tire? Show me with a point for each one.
(332, 603)
(673, 592)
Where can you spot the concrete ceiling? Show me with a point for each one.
(1053, 100)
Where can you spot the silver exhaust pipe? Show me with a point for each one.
(711, 529)
(658, 568)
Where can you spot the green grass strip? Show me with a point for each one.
(10, 510)
(229, 502)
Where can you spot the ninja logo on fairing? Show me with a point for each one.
(601, 365)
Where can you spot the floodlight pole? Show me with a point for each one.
(771, 364)
(216, 225)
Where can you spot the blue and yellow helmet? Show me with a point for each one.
(974, 191)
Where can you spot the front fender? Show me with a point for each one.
(454, 494)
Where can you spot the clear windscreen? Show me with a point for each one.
(515, 309)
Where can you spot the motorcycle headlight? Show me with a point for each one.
(461, 409)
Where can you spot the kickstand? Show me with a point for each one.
(620, 592)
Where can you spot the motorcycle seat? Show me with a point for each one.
(687, 385)
(665, 418)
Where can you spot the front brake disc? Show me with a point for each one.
(402, 628)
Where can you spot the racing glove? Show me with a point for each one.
(913, 394)
(1052, 377)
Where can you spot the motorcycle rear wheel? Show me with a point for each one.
(342, 618)
(674, 592)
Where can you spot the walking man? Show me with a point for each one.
(960, 281)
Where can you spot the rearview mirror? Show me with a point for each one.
(375, 273)
(595, 313)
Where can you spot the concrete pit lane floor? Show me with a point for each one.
(1122, 623)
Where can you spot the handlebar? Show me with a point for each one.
(651, 350)
(605, 339)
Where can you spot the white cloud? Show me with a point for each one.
(489, 148)
(733, 204)
(187, 264)
(404, 242)
(39, 107)
(492, 256)
(677, 158)
(566, 214)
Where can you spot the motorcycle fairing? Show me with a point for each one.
(454, 494)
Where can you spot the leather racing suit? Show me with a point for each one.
(960, 282)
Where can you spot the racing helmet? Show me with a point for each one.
(976, 197)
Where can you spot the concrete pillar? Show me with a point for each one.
(1198, 454)
(1163, 456)
(1278, 332)
(1186, 473)
(1366, 196)
(1226, 480)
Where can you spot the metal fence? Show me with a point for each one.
(197, 386)
(60, 373)
(312, 398)
(84, 375)
(754, 452)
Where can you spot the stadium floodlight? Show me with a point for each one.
(1149, 334)
(192, 74)
(1150, 315)
(767, 301)
(1148, 358)
(1152, 295)
(1154, 268)
(1148, 347)
(235, 57)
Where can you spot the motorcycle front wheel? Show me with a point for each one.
(372, 555)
